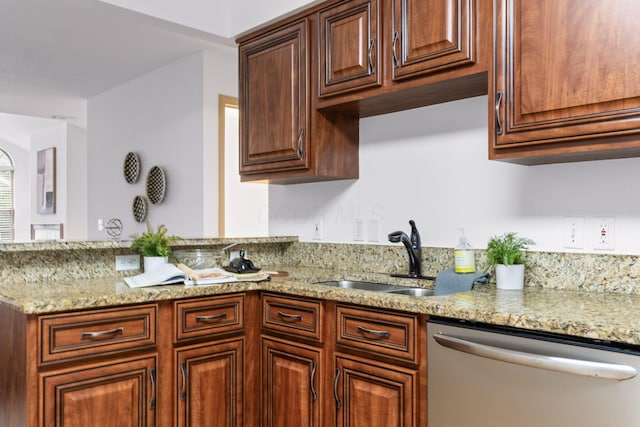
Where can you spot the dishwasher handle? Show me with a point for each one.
(560, 364)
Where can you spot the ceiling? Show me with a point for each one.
(71, 50)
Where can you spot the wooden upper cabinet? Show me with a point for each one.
(431, 36)
(567, 81)
(349, 47)
(273, 101)
(378, 57)
(283, 139)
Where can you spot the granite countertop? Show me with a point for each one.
(597, 315)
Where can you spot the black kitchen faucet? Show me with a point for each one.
(414, 248)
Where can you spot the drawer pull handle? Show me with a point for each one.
(183, 392)
(314, 367)
(211, 318)
(152, 377)
(372, 68)
(300, 151)
(381, 334)
(296, 317)
(335, 388)
(394, 42)
(498, 104)
(102, 334)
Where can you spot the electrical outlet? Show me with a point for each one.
(603, 232)
(358, 230)
(573, 235)
(127, 262)
(373, 229)
(316, 231)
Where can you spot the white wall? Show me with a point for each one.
(220, 78)
(247, 14)
(246, 203)
(165, 117)
(212, 16)
(76, 171)
(430, 165)
(220, 17)
(54, 136)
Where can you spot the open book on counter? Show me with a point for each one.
(167, 274)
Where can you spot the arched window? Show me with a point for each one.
(7, 211)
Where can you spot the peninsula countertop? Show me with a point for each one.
(598, 315)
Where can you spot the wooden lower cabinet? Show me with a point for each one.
(210, 379)
(118, 394)
(374, 395)
(290, 384)
(182, 364)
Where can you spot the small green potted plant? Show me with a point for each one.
(508, 254)
(154, 246)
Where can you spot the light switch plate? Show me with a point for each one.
(573, 232)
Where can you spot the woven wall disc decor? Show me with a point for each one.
(156, 185)
(131, 167)
(139, 208)
(114, 228)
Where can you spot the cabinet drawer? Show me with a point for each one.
(376, 331)
(69, 336)
(294, 316)
(208, 316)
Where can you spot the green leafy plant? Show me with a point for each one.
(153, 243)
(508, 249)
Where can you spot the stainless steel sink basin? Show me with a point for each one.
(378, 287)
(415, 292)
(354, 284)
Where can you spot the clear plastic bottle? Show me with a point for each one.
(465, 259)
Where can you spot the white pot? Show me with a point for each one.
(152, 262)
(510, 276)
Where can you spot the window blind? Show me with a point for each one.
(7, 213)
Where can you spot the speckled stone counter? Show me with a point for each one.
(600, 315)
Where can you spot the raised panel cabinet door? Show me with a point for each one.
(374, 395)
(209, 380)
(349, 49)
(273, 101)
(431, 36)
(290, 384)
(120, 394)
(567, 74)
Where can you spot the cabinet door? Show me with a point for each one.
(349, 50)
(567, 75)
(120, 394)
(273, 101)
(209, 380)
(374, 395)
(431, 36)
(290, 384)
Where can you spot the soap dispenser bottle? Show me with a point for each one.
(465, 260)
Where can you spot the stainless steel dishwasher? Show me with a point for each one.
(486, 376)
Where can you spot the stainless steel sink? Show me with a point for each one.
(415, 292)
(378, 287)
(354, 284)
